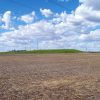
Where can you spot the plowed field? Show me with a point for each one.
(50, 76)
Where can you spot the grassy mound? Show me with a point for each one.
(43, 51)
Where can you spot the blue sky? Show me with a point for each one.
(53, 23)
(22, 6)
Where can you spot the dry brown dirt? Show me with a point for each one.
(50, 76)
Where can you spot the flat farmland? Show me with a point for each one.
(74, 76)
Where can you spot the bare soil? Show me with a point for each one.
(50, 76)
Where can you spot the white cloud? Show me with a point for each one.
(89, 10)
(93, 35)
(46, 12)
(88, 13)
(6, 19)
(28, 18)
(91, 3)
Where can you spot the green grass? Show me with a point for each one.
(43, 51)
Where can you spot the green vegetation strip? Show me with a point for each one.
(43, 51)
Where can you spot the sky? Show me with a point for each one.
(49, 24)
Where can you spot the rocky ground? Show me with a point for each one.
(50, 76)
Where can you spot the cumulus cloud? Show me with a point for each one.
(92, 36)
(6, 19)
(91, 3)
(90, 10)
(46, 12)
(28, 18)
